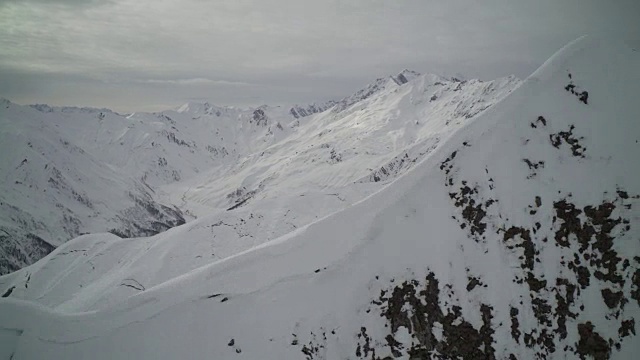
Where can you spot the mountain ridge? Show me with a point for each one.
(149, 163)
(499, 243)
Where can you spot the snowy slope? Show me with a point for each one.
(53, 190)
(69, 171)
(298, 111)
(324, 166)
(138, 174)
(516, 238)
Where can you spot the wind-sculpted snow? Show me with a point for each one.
(512, 235)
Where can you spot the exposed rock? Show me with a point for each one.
(591, 343)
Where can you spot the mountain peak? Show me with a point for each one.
(405, 76)
(199, 108)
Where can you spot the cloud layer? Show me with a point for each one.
(147, 55)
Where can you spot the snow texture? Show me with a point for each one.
(72, 171)
(509, 232)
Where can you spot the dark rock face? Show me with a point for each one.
(400, 79)
(551, 320)
(20, 246)
(146, 218)
(582, 95)
(554, 309)
(172, 137)
(259, 118)
(415, 305)
(584, 235)
(391, 169)
(298, 111)
(567, 137)
(591, 343)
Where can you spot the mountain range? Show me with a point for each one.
(72, 171)
(422, 217)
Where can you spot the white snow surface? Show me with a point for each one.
(71, 171)
(309, 263)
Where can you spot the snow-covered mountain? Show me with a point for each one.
(446, 229)
(70, 171)
(403, 77)
(298, 111)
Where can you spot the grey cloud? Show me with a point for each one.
(242, 51)
(58, 2)
(195, 81)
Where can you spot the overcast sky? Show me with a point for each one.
(147, 55)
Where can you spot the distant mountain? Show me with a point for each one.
(298, 111)
(70, 171)
(405, 76)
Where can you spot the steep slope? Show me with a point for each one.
(54, 190)
(140, 174)
(403, 77)
(298, 111)
(516, 238)
(323, 166)
(69, 171)
(334, 150)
